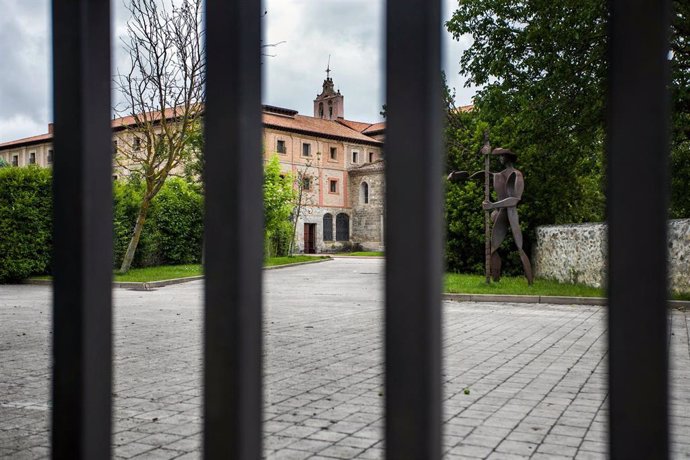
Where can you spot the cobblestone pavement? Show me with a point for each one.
(535, 373)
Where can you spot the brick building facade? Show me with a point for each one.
(342, 160)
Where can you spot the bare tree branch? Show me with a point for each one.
(163, 92)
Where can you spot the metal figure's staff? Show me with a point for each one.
(509, 185)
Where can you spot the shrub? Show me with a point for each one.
(279, 197)
(172, 234)
(127, 196)
(25, 222)
(178, 218)
(173, 230)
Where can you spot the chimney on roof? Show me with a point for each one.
(50, 128)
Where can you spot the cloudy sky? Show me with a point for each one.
(350, 31)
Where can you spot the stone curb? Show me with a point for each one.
(275, 267)
(147, 286)
(358, 257)
(555, 300)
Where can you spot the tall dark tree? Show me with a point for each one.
(542, 65)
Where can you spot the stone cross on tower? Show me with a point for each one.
(330, 104)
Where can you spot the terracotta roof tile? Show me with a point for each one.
(376, 127)
(341, 129)
(27, 140)
(356, 125)
(317, 127)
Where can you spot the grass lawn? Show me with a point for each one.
(163, 272)
(456, 283)
(273, 261)
(169, 272)
(476, 284)
(363, 254)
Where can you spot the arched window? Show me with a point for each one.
(320, 109)
(342, 227)
(364, 193)
(328, 227)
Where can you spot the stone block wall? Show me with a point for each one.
(368, 217)
(577, 254)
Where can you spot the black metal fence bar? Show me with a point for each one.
(233, 231)
(637, 198)
(413, 230)
(82, 257)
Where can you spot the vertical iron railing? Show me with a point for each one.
(82, 255)
(82, 376)
(638, 148)
(413, 188)
(233, 231)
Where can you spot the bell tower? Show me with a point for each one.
(329, 105)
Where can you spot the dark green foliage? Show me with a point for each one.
(279, 196)
(465, 227)
(173, 230)
(555, 192)
(172, 234)
(127, 196)
(178, 216)
(25, 222)
(680, 181)
(542, 65)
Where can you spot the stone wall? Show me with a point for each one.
(577, 254)
(367, 211)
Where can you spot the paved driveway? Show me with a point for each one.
(535, 373)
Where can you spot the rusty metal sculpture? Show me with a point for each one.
(509, 185)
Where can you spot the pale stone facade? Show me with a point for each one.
(367, 184)
(336, 155)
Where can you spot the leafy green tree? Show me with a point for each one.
(279, 196)
(542, 65)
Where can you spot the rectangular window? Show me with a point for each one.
(15, 160)
(136, 143)
(49, 157)
(32, 158)
(280, 146)
(306, 150)
(333, 186)
(355, 156)
(306, 183)
(114, 148)
(334, 153)
(371, 157)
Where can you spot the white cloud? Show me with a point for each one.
(24, 57)
(20, 126)
(351, 31)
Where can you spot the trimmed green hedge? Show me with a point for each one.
(172, 233)
(173, 230)
(179, 222)
(25, 222)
